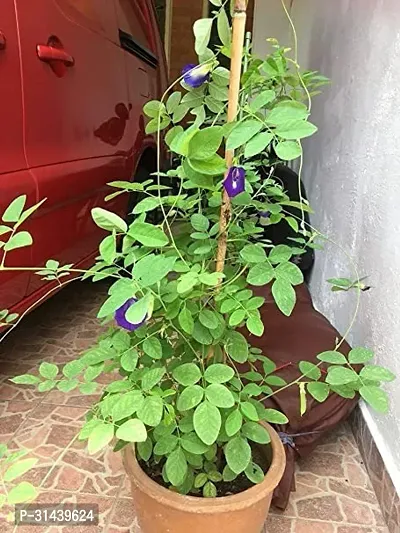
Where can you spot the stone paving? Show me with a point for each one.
(334, 494)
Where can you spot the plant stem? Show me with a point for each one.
(238, 32)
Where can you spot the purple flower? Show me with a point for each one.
(235, 181)
(120, 316)
(264, 214)
(196, 75)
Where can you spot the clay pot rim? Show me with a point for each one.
(195, 504)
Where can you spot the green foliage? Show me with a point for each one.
(190, 387)
(14, 465)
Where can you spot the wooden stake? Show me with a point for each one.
(238, 33)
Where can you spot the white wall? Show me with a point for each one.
(352, 171)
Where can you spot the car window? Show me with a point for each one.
(133, 19)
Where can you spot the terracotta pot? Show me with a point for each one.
(160, 510)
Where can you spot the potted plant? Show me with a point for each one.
(196, 437)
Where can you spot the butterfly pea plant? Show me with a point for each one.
(185, 291)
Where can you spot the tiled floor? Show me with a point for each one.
(334, 494)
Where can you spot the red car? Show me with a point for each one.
(75, 75)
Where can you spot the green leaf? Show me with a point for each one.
(108, 221)
(145, 449)
(228, 474)
(191, 443)
(101, 435)
(224, 29)
(67, 385)
(209, 490)
(126, 405)
(284, 296)
(249, 411)
(132, 431)
(152, 377)
(202, 33)
(48, 370)
(148, 235)
(289, 272)
(108, 249)
(73, 369)
(209, 319)
(154, 108)
(332, 357)
(360, 356)
(220, 396)
(254, 473)
(190, 398)
(280, 254)
(18, 469)
(213, 166)
(22, 493)
(296, 129)
(129, 360)
(186, 321)
(260, 274)
(151, 411)
(156, 124)
(341, 376)
(288, 150)
(14, 210)
(148, 204)
(238, 454)
(166, 445)
(173, 101)
(139, 310)
(319, 391)
(200, 480)
(172, 133)
(205, 143)
(152, 347)
(310, 370)
(243, 132)
(256, 432)
(262, 99)
(199, 222)
(88, 388)
(253, 253)
(153, 268)
(287, 111)
(237, 317)
(176, 467)
(26, 379)
(187, 374)
(233, 423)
(258, 144)
(180, 143)
(237, 347)
(377, 373)
(255, 325)
(19, 240)
(202, 334)
(376, 398)
(275, 417)
(207, 422)
(180, 113)
(218, 373)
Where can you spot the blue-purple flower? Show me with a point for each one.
(120, 316)
(196, 75)
(235, 181)
(264, 214)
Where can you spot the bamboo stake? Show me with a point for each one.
(238, 33)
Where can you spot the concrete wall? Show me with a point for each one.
(352, 171)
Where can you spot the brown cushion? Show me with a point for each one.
(287, 341)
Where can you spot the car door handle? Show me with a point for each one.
(48, 54)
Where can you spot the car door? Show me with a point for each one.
(137, 38)
(14, 178)
(76, 118)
